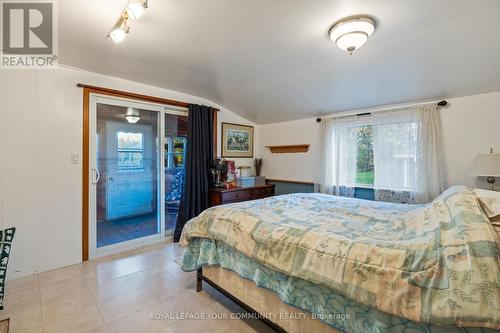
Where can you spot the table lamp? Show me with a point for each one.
(487, 165)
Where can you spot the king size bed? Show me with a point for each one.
(320, 263)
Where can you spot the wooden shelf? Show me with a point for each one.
(289, 149)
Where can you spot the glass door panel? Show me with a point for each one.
(127, 167)
(175, 156)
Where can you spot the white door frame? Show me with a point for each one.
(94, 99)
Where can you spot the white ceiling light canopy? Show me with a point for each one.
(120, 29)
(132, 116)
(135, 8)
(350, 33)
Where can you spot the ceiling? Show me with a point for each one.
(272, 61)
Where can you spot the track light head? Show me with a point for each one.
(135, 8)
(120, 29)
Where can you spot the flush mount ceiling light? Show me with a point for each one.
(133, 10)
(350, 33)
(132, 116)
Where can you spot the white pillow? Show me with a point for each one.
(490, 203)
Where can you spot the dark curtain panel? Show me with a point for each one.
(197, 178)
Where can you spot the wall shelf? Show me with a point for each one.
(304, 148)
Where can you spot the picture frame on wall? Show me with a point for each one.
(237, 140)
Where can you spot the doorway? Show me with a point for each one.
(136, 161)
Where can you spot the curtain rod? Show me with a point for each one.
(368, 111)
(126, 94)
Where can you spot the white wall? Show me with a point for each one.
(40, 190)
(297, 167)
(470, 125)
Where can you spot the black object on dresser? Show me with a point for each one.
(221, 196)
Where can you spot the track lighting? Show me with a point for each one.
(133, 10)
(120, 29)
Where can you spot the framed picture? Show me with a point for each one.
(237, 140)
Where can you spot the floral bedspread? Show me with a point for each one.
(437, 263)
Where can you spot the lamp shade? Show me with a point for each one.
(486, 165)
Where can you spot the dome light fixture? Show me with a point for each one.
(350, 33)
(132, 116)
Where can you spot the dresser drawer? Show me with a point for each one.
(262, 192)
(226, 196)
(236, 196)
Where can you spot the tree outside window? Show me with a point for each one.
(365, 167)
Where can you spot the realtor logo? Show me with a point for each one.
(28, 34)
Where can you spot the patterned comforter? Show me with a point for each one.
(437, 263)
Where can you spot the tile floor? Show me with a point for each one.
(120, 293)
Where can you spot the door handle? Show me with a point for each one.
(97, 176)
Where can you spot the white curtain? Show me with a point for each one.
(407, 152)
(408, 156)
(339, 156)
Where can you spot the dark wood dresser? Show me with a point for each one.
(221, 196)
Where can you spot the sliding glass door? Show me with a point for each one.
(131, 201)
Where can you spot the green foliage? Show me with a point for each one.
(365, 167)
(365, 178)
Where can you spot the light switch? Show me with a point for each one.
(75, 159)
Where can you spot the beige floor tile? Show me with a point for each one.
(146, 277)
(158, 286)
(183, 280)
(167, 329)
(126, 266)
(69, 286)
(21, 284)
(139, 321)
(58, 275)
(205, 326)
(85, 320)
(249, 326)
(115, 307)
(66, 304)
(118, 293)
(19, 300)
(168, 264)
(28, 319)
(99, 274)
(106, 289)
(184, 302)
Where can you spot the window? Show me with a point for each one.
(365, 173)
(130, 151)
(398, 154)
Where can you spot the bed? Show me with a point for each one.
(353, 265)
